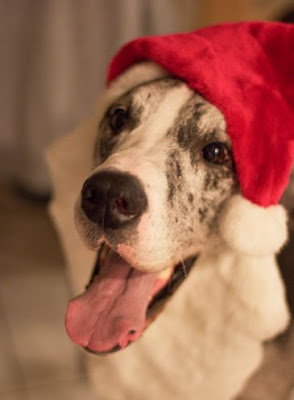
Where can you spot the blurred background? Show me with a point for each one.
(54, 55)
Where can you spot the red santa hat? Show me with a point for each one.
(247, 71)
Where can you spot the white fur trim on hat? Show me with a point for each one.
(137, 74)
(252, 229)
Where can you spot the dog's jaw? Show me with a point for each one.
(120, 303)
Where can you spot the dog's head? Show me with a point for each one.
(162, 170)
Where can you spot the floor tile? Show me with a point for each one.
(33, 294)
(27, 236)
(10, 371)
(35, 306)
(76, 390)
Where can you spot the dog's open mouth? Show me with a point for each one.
(119, 302)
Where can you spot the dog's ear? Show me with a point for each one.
(69, 160)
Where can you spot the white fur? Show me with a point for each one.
(251, 229)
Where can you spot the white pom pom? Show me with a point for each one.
(252, 229)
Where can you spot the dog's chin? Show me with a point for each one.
(120, 302)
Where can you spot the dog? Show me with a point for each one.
(161, 155)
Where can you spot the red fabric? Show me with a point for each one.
(246, 70)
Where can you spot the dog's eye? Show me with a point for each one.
(118, 119)
(216, 153)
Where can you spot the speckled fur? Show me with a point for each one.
(162, 144)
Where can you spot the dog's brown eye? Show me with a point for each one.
(118, 119)
(216, 153)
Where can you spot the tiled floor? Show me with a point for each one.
(37, 361)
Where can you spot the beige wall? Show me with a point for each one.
(214, 11)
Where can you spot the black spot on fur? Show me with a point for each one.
(186, 127)
(190, 198)
(202, 213)
(173, 174)
(211, 181)
(106, 146)
(214, 178)
(135, 117)
(178, 169)
(171, 185)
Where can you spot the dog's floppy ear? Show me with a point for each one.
(69, 160)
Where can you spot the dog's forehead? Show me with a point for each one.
(152, 110)
(154, 90)
(158, 101)
(171, 101)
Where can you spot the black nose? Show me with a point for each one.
(113, 199)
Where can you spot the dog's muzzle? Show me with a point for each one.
(113, 199)
(121, 300)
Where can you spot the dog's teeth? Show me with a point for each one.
(165, 274)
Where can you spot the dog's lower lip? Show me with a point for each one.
(103, 353)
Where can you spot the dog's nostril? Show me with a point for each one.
(132, 332)
(89, 194)
(123, 206)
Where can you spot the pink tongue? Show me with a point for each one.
(112, 311)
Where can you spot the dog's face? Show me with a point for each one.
(162, 170)
(174, 144)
